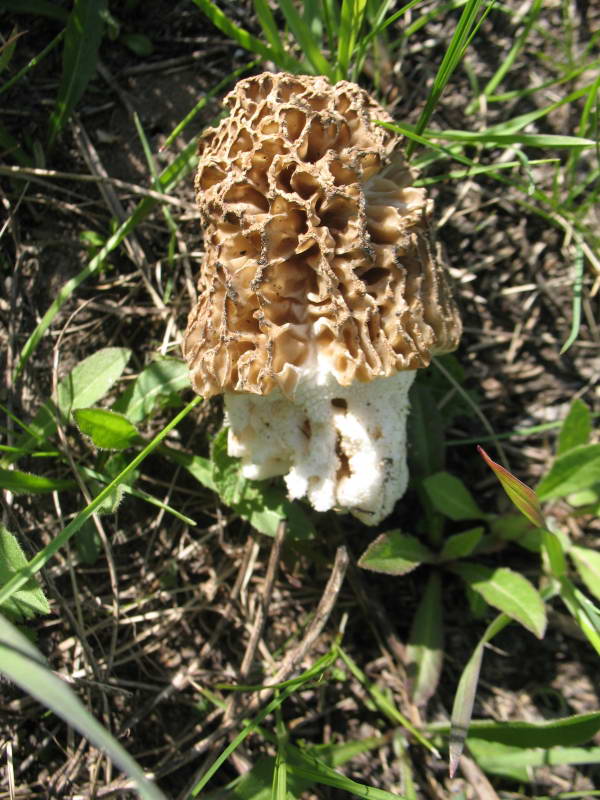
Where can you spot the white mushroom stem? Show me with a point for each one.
(341, 446)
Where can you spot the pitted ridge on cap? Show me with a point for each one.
(315, 243)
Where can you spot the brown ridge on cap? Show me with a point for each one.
(314, 241)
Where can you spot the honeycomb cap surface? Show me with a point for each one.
(316, 245)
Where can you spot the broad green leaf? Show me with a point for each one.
(587, 562)
(113, 467)
(198, 466)
(576, 428)
(425, 432)
(517, 528)
(7, 50)
(425, 648)
(583, 611)
(85, 385)
(256, 784)
(521, 495)
(26, 483)
(587, 497)
(309, 45)
(461, 544)
(54, 545)
(308, 767)
(262, 504)
(41, 8)
(29, 600)
(25, 665)
(239, 35)
(462, 708)
(80, 55)
(226, 474)
(567, 731)
(501, 759)
(516, 763)
(88, 543)
(138, 43)
(451, 497)
(107, 429)
(395, 553)
(572, 471)
(91, 379)
(555, 553)
(507, 591)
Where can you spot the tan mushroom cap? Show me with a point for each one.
(315, 243)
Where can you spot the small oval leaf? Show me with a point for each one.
(29, 600)
(461, 544)
(587, 562)
(507, 591)
(576, 428)
(577, 469)
(107, 429)
(521, 495)
(395, 553)
(451, 497)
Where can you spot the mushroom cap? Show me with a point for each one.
(316, 246)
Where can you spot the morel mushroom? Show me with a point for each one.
(320, 293)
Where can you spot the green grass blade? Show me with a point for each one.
(142, 495)
(80, 54)
(511, 57)
(313, 14)
(331, 17)
(25, 483)
(351, 20)
(377, 27)
(41, 8)
(270, 29)
(425, 646)
(384, 704)
(33, 62)
(466, 28)
(310, 46)
(588, 124)
(509, 139)
(7, 48)
(577, 298)
(25, 665)
(44, 555)
(252, 725)
(462, 708)
(233, 76)
(10, 146)
(169, 177)
(313, 770)
(229, 28)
